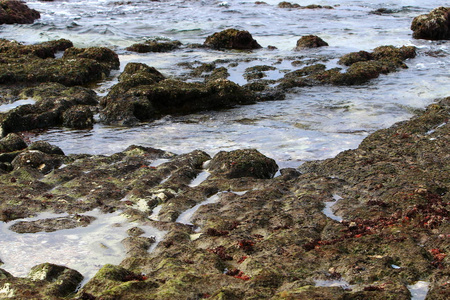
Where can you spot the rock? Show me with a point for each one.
(232, 39)
(35, 159)
(12, 11)
(52, 101)
(243, 163)
(432, 26)
(36, 63)
(310, 41)
(45, 147)
(12, 142)
(127, 105)
(63, 281)
(52, 224)
(154, 46)
(79, 117)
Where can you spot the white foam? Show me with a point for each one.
(85, 249)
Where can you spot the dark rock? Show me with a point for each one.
(148, 102)
(52, 101)
(106, 57)
(35, 159)
(31, 64)
(12, 142)
(45, 147)
(79, 117)
(432, 26)
(286, 4)
(154, 46)
(310, 41)
(12, 11)
(232, 39)
(243, 163)
(351, 58)
(63, 281)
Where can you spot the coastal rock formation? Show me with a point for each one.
(37, 63)
(262, 237)
(362, 67)
(432, 26)
(53, 100)
(13, 11)
(143, 95)
(232, 39)
(310, 41)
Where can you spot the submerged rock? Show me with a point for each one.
(310, 41)
(154, 46)
(13, 11)
(232, 39)
(432, 26)
(52, 224)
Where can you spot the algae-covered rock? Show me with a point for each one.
(35, 159)
(45, 147)
(128, 104)
(53, 100)
(310, 41)
(13, 11)
(243, 163)
(52, 224)
(63, 281)
(12, 142)
(36, 63)
(432, 26)
(154, 46)
(232, 39)
(79, 117)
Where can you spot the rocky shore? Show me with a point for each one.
(366, 224)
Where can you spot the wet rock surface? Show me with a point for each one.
(232, 39)
(262, 237)
(37, 63)
(144, 94)
(432, 26)
(154, 46)
(310, 41)
(12, 11)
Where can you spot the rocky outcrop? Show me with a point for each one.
(232, 39)
(53, 100)
(28, 64)
(13, 11)
(145, 95)
(362, 67)
(310, 41)
(432, 26)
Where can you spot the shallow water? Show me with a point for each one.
(85, 249)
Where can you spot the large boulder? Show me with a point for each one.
(432, 26)
(12, 142)
(232, 39)
(79, 117)
(12, 11)
(243, 163)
